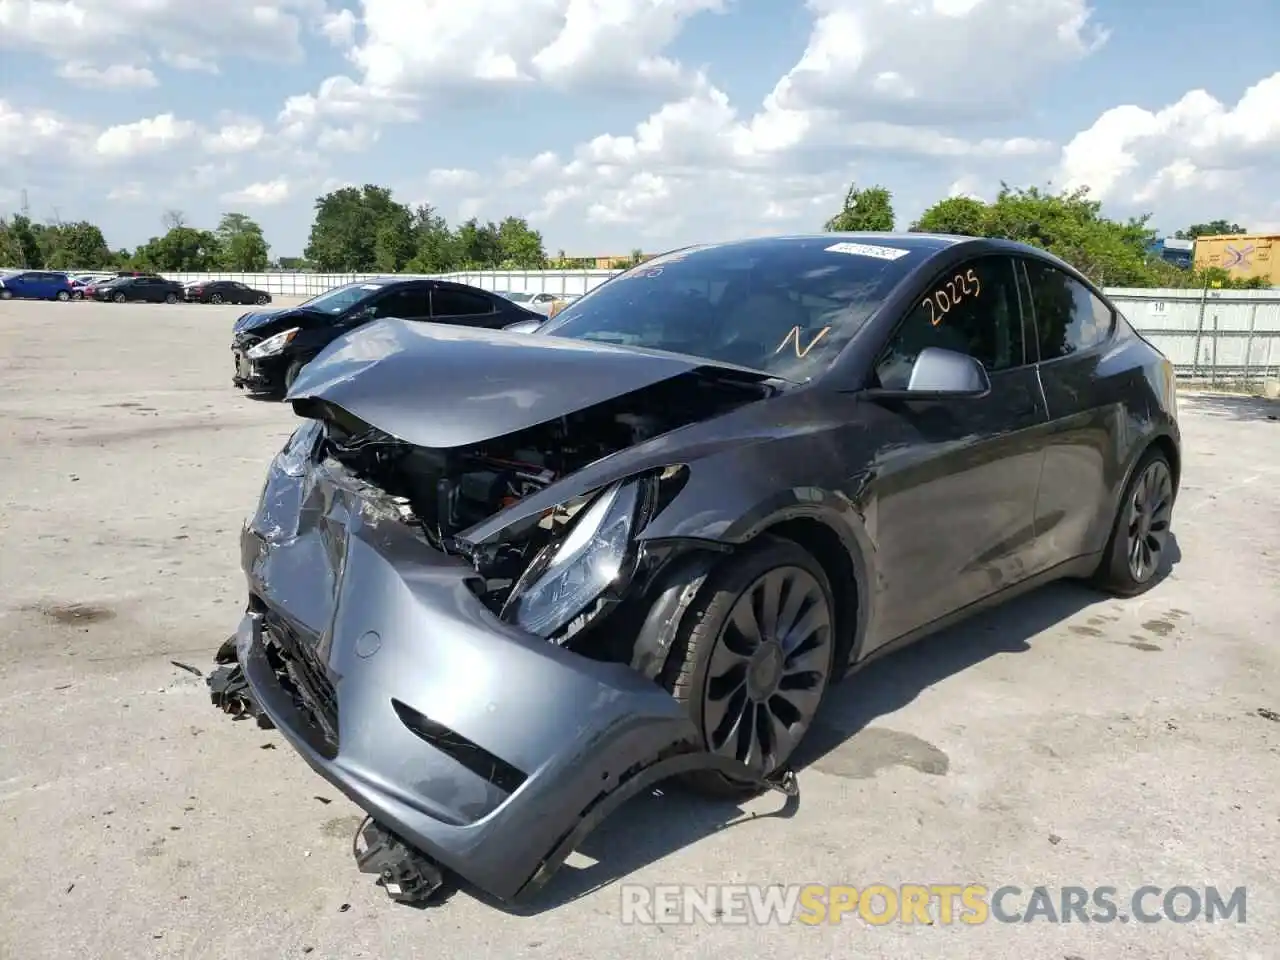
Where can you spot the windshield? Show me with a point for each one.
(784, 306)
(518, 297)
(341, 298)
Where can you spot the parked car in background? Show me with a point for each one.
(144, 289)
(35, 285)
(270, 347)
(81, 282)
(224, 291)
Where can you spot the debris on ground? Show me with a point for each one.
(1271, 715)
(406, 875)
(187, 667)
(230, 693)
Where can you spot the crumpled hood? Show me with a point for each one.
(261, 318)
(437, 385)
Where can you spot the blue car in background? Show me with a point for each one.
(35, 285)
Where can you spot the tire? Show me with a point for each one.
(6, 294)
(291, 374)
(62, 296)
(77, 295)
(119, 298)
(170, 298)
(709, 653)
(215, 298)
(262, 300)
(1139, 541)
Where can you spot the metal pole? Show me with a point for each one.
(1248, 344)
(1213, 371)
(1204, 299)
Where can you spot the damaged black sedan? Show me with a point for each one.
(499, 581)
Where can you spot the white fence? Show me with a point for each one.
(517, 281)
(1213, 334)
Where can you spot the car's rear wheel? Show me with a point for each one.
(63, 296)
(119, 298)
(6, 294)
(752, 659)
(170, 298)
(215, 298)
(1139, 541)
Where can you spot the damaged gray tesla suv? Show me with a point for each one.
(498, 582)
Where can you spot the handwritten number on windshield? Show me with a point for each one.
(949, 293)
(794, 337)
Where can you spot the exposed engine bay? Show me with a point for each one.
(446, 491)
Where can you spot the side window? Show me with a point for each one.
(411, 303)
(459, 303)
(1069, 318)
(973, 309)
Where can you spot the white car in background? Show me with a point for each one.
(543, 303)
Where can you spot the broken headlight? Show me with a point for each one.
(273, 345)
(596, 556)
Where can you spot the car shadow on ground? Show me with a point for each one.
(1233, 407)
(842, 742)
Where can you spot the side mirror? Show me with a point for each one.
(939, 374)
(524, 326)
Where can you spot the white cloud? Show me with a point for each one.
(339, 27)
(150, 135)
(38, 133)
(428, 51)
(264, 194)
(1194, 158)
(183, 33)
(118, 76)
(235, 138)
(938, 62)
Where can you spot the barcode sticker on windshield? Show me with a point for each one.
(867, 250)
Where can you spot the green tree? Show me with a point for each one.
(479, 247)
(10, 248)
(956, 216)
(1068, 224)
(1214, 228)
(354, 227)
(869, 209)
(520, 246)
(182, 249)
(436, 249)
(71, 246)
(242, 244)
(28, 242)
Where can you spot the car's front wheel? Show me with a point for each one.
(753, 657)
(262, 299)
(6, 294)
(170, 298)
(215, 298)
(1139, 543)
(119, 298)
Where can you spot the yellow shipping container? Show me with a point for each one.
(1244, 256)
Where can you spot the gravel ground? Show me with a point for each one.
(1067, 739)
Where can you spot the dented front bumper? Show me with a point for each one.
(490, 750)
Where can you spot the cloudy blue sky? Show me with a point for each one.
(617, 124)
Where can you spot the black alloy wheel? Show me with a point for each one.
(769, 669)
(262, 299)
(215, 298)
(1148, 513)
